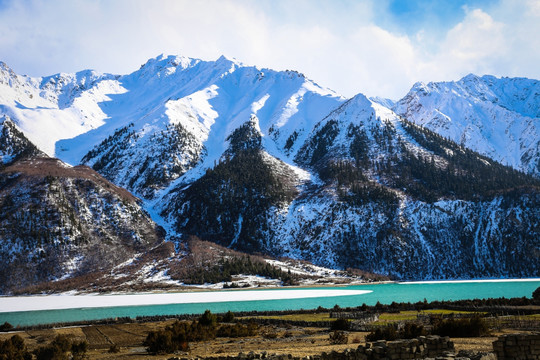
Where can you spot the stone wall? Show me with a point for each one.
(356, 315)
(518, 347)
(420, 348)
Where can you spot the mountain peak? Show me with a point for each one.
(361, 100)
(4, 66)
(268, 161)
(164, 61)
(421, 87)
(497, 117)
(471, 77)
(224, 58)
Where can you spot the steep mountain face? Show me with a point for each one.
(392, 198)
(269, 162)
(229, 204)
(498, 118)
(57, 220)
(13, 144)
(178, 113)
(56, 107)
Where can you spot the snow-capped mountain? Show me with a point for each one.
(265, 161)
(499, 118)
(388, 197)
(56, 107)
(177, 114)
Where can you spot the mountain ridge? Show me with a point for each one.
(265, 161)
(495, 117)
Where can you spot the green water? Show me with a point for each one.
(384, 293)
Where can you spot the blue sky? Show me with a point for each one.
(412, 16)
(377, 47)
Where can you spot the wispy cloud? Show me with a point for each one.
(350, 46)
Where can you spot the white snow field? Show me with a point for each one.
(65, 301)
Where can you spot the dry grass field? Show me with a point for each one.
(130, 337)
(282, 339)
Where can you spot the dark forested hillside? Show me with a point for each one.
(230, 202)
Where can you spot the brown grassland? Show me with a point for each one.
(278, 339)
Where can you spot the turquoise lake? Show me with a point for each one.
(384, 293)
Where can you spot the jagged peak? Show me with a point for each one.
(4, 66)
(164, 61)
(357, 103)
(83, 77)
(420, 86)
(245, 137)
(361, 100)
(471, 77)
(232, 60)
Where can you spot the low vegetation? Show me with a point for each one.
(391, 332)
(338, 338)
(62, 348)
(6, 327)
(475, 326)
(14, 349)
(208, 262)
(311, 331)
(177, 336)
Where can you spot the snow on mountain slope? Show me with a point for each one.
(499, 118)
(56, 107)
(358, 120)
(264, 161)
(392, 198)
(447, 239)
(60, 221)
(177, 114)
(376, 210)
(389, 103)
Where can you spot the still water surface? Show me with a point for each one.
(384, 293)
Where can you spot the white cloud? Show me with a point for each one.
(500, 43)
(476, 38)
(469, 47)
(336, 43)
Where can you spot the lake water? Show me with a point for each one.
(384, 293)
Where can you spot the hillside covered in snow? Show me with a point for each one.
(444, 184)
(498, 118)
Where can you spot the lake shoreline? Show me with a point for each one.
(96, 306)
